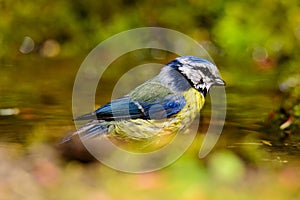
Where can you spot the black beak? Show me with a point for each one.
(219, 82)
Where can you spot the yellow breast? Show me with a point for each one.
(183, 119)
(139, 129)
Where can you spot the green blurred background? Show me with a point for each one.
(255, 44)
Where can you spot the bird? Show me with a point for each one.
(165, 105)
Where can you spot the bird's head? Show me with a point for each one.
(200, 73)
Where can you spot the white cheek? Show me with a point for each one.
(196, 76)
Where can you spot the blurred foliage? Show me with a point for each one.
(241, 33)
(47, 177)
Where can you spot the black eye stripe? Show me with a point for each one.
(206, 72)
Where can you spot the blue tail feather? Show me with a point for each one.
(88, 131)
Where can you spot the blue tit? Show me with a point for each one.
(162, 106)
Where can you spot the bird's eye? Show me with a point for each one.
(201, 81)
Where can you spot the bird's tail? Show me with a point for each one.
(90, 130)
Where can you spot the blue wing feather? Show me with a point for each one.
(125, 108)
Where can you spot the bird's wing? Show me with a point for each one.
(148, 101)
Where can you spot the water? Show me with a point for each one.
(38, 93)
(40, 90)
